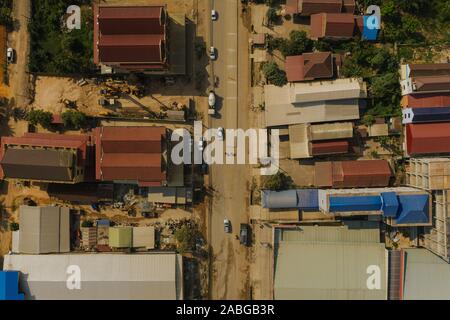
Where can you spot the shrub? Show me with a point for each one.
(14, 226)
(273, 74)
(73, 119)
(277, 182)
(44, 118)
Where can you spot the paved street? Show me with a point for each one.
(230, 267)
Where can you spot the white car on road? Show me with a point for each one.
(214, 15)
(212, 53)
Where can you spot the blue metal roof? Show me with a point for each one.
(9, 286)
(390, 204)
(431, 114)
(414, 209)
(355, 203)
(308, 199)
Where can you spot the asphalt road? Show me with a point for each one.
(230, 265)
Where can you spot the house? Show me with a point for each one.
(335, 26)
(328, 262)
(424, 70)
(428, 138)
(309, 66)
(131, 38)
(425, 115)
(431, 84)
(131, 154)
(44, 230)
(308, 7)
(45, 157)
(426, 100)
(398, 206)
(302, 138)
(144, 276)
(322, 101)
(352, 174)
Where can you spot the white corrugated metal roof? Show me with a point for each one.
(103, 276)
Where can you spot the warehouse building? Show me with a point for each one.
(103, 276)
(329, 262)
(133, 155)
(352, 174)
(427, 138)
(41, 157)
(401, 206)
(301, 199)
(44, 230)
(323, 101)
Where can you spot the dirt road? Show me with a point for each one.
(230, 267)
(19, 39)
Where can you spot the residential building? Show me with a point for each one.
(310, 66)
(399, 206)
(131, 154)
(131, 38)
(433, 174)
(322, 101)
(104, 276)
(424, 70)
(426, 100)
(44, 230)
(328, 262)
(301, 199)
(308, 7)
(52, 158)
(427, 114)
(427, 138)
(337, 26)
(352, 174)
(420, 85)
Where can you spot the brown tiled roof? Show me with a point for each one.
(309, 66)
(429, 69)
(308, 7)
(330, 147)
(438, 83)
(332, 25)
(130, 153)
(428, 138)
(349, 6)
(130, 36)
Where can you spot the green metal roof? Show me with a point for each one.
(120, 237)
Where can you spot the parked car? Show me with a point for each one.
(10, 55)
(214, 15)
(212, 53)
(244, 235)
(221, 133)
(227, 226)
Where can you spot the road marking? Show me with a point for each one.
(231, 98)
(231, 66)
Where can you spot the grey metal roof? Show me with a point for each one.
(279, 200)
(427, 277)
(328, 263)
(103, 276)
(44, 230)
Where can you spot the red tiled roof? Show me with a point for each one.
(294, 68)
(426, 100)
(330, 147)
(308, 7)
(428, 138)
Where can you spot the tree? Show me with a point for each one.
(277, 182)
(73, 119)
(272, 16)
(44, 118)
(273, 74)
(87, 224)
(186, 237)
(14, 226)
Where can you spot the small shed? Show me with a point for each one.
(144, 237)
(378, 130)
(120, 237)
(89, 237)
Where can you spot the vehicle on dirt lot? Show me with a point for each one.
(10, 55)
(227, 225)
(244, 235)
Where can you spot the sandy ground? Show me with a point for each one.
(19, 78)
